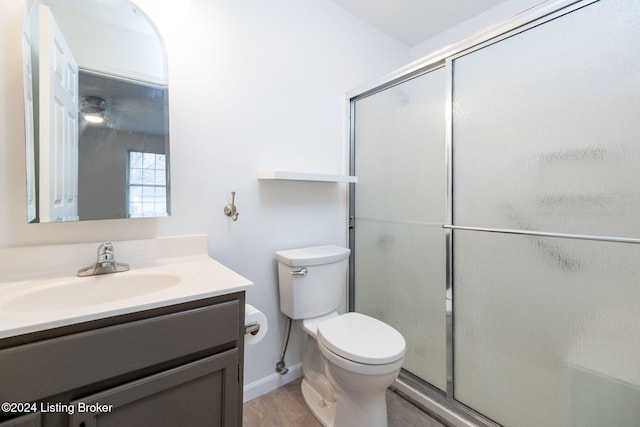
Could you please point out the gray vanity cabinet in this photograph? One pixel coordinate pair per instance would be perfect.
(173, 366)
(30, 420)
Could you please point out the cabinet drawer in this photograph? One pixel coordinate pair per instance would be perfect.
(45, 368)
(199, 394)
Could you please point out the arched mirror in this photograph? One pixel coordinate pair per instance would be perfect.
(96, 109)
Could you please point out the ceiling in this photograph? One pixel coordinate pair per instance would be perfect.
(414, 21)
(121, 14)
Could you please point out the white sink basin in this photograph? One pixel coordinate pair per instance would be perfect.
(33, 300)
(89, 291)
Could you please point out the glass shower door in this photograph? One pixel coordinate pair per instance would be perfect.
(546, 139)
(400, 206)
(542, 247)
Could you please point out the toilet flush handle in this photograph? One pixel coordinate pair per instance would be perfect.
(301, 272)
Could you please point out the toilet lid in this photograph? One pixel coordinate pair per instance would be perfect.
(361, 339)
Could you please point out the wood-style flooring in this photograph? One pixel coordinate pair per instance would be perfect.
(285, 407)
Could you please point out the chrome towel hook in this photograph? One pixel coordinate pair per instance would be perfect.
(230, 209)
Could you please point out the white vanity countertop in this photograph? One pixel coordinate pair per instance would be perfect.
(199, 277)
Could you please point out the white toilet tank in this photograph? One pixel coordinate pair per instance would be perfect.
(312, 280)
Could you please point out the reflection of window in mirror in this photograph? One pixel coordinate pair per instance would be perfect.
(146, 185)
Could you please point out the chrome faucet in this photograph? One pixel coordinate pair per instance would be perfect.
(105, 264)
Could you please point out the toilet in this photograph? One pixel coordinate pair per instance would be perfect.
(350, 359)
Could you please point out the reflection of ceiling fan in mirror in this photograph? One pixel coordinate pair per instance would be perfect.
(134, 107)
(93, 109)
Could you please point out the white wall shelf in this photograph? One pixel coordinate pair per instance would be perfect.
(303, 176)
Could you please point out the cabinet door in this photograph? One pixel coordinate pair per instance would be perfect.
(201, 393)
(31, 420)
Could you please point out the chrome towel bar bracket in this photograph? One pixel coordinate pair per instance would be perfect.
(230, 209)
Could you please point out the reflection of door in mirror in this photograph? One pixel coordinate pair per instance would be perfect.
(58, 115)
(27, 76)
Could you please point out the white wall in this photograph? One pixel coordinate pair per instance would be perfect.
(253, 85)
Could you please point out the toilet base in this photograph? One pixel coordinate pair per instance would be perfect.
(355, 410)
(325, 412)
(361, 409)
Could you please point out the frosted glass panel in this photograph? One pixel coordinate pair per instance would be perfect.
(400, 279)
(547, 331)
(400, 206)
(546, 126)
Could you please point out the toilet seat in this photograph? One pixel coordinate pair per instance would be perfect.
(361, 339)
(360, 368)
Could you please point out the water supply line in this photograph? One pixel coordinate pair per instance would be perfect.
(281, 365)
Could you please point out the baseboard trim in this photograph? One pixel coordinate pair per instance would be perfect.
(271, 382)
